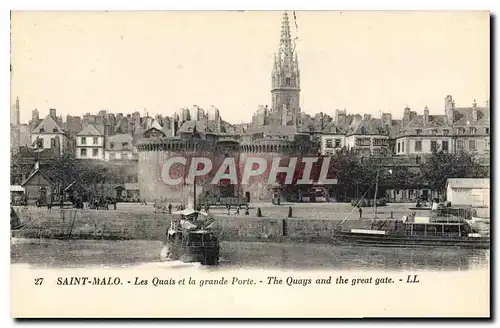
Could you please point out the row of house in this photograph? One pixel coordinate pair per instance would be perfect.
(459, 129)
(89, 143)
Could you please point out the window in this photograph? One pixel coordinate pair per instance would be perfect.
(460, 145)
(399, 147)
(124, 144)
(434, 132)
(403, 146)
(338, 143)
(95, 152)
(329, 143)
(487, 130)
(418, 145)
(472, 130)
(55, 130)
(418, 131)
(418, 159)
(112, 145)
(42, 130)
(95, 140)
(83, 152)
(445, 132)
(444, 145)
(434, 145)
(472, 144)
(39, 143)
(287, 81)
(52, 142)
(84, 141)
(487, 145)
(112, 156)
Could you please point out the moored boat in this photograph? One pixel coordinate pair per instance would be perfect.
(417, 231)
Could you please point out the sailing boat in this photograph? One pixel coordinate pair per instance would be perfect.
(412, 231)
(189, 237)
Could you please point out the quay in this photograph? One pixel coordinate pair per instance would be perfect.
(310, 222)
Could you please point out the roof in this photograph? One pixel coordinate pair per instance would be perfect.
(33, 174)
(468, 183)
(89, 130)
(120, 138)
(48, 125)
(16, 188)
(372, 126)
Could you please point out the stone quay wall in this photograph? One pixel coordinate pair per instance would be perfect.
(122, 225)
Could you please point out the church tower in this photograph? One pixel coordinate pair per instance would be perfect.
(285, 89)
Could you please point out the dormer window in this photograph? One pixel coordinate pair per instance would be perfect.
(55, 130)
(434, 132)
(445, 132)
(418, 131)
(472, 130)
(363, 130)
(42, 130)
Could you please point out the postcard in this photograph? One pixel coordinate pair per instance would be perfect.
(250, 164)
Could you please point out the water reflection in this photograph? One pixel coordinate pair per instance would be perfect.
(82, 253)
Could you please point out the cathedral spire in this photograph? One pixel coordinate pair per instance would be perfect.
(285, 88)
(286, 47)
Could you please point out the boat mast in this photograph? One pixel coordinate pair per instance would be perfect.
(375, 197)
(194, 179)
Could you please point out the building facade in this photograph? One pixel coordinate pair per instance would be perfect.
(90, 143)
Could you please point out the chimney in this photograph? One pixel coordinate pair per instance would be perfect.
(474, 111)
(426, 116)
(53, 113)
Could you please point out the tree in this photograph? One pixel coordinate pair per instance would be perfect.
(441, 166)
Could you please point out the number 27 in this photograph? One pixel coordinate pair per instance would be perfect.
(38, 281)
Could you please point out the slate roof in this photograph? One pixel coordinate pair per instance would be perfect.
(464, 116)
(89, 130)
(48, 125)
(372, 126)
(35, 172)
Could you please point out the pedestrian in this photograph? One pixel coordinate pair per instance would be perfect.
(114, 204)
(228, 209)
(169, 208)
(360, 212)
(237, 210)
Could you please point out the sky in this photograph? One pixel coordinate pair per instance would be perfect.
(159, 62)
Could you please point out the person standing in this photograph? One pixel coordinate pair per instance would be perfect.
(360, 212)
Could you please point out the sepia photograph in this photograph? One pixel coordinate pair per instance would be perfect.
(274, 155)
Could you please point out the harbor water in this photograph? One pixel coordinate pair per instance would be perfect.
(239, 255)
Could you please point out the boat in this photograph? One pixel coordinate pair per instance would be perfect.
(417, 231)
(190, 238)
(413, 231)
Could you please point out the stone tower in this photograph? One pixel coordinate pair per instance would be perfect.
(285, 88)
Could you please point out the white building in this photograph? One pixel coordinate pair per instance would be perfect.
(90, 143)
(49, 135)
(468, 192)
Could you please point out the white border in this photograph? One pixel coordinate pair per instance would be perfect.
(180, 5)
